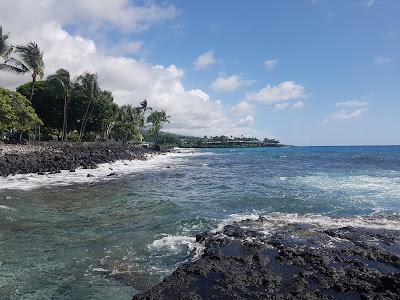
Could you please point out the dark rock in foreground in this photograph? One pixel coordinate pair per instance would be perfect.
(252, 260)
(53, 157)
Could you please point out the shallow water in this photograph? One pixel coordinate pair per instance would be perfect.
(70, 236)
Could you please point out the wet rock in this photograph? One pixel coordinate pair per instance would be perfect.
(294, 261)
(49, 157)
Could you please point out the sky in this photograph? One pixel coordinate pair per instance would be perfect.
(307, 72)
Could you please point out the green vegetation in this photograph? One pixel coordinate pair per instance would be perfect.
(157, 119)
(174, 140)
(5, 47)
(64, 108)
(16, 115)
(77, 109)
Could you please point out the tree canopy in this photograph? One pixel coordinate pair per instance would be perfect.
(16, 113)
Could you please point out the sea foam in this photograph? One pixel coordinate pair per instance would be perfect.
(116, 169)
(277, 219)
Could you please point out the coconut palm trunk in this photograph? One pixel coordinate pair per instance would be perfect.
(33, 87)
(64, 136)
(84, 121)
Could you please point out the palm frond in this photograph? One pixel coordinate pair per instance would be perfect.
(11, 69)
(32, 57)
(5, 47)
(17, 64)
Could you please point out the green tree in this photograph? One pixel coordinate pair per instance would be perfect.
(143, 108)
(31, 60)
(157, 119)
(126, 126)
(63, 79)
(16, 113)
(89, 86)
(47, 101)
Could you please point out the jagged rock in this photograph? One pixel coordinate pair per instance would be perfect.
(294, 261)
(48, 157)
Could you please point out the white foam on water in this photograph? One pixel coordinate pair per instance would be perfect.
(276, 220)
(119, 168)
(380, 186)
(175, 244)
(236, 218)
(4, 207)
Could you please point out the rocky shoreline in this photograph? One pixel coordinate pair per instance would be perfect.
(49, 157)
(264, 259)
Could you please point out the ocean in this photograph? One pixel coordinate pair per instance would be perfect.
(69, 236)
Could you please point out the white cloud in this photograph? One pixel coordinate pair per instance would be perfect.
(192, 111)
(351, 104)
(287, 105)
(243, 108)
(270, 63)
(369, 3)
(390, 35)
(248, 120)
(89, 14)
(298, 105)
(314, 2)
(281, 106)
(380, 60)
(284, 91)
(204, 60)
(230, 83)
(348, 110)
(348, 114)
(126, 47)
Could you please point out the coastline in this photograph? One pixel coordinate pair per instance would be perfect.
(52, 158)
(291, 257)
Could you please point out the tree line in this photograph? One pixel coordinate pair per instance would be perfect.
(65, 108)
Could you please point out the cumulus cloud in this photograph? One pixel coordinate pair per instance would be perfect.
(91, 14)
(298, 105)
(284, 91)
(125, 47)
(287, 105)
(281, 106)
(204, 60)
(192, 110)
(380, 60)
(270, 63)
(243, 108)
(248, 120)
(230, 83)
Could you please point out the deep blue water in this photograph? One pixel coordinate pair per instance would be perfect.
(109, 239)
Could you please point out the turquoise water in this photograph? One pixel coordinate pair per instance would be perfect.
(74, 237)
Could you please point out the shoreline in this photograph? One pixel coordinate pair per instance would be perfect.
(52, 158)
(282, 257)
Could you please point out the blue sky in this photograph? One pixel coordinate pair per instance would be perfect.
(307, 72)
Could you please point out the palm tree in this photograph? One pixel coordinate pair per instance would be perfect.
(31, 61)
(63, 79)
(142, 113)
(5, 47)
(89, 83)
(157, 119)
